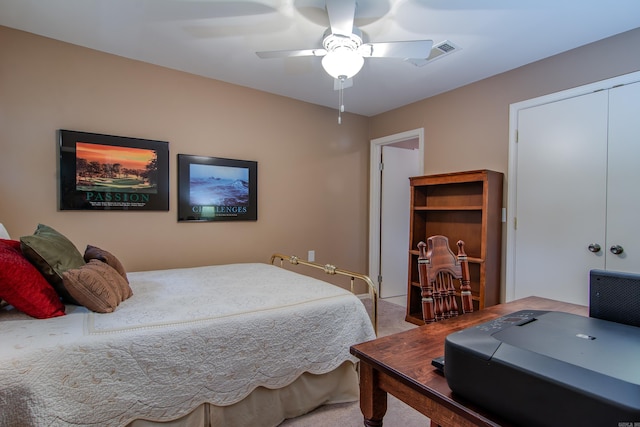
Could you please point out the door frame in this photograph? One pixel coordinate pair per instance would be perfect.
(375, 185)
(510, 259)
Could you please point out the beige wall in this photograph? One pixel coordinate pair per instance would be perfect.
(312, 173)
(468, 128)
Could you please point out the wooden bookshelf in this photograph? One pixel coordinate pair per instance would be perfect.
(462, 206)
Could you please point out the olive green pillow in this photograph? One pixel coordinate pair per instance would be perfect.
(52, 254)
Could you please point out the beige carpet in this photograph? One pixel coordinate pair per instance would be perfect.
(390, 320)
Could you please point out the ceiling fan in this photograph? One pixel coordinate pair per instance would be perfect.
(343, 50)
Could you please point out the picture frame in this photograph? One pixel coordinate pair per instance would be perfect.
(107, 172)
(214, 189)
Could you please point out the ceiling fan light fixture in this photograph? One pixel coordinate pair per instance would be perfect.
(342, 63)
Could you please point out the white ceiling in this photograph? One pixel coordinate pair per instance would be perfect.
(218, 39)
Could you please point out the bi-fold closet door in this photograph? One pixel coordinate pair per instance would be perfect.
(577, 196)
(623, 180)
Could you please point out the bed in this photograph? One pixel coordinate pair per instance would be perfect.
(225, 345)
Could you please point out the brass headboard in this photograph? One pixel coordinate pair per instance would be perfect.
(332, 269)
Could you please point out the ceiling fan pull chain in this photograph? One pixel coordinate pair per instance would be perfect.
(341, 99)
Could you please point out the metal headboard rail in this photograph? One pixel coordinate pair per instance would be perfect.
(332, 269)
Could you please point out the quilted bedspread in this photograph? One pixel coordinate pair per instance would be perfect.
(185, 337)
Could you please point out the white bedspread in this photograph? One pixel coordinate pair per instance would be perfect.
(186, 336)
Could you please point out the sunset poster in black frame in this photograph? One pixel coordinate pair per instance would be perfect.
(217, 189)
(107, 172)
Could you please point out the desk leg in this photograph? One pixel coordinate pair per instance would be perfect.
(373, 400)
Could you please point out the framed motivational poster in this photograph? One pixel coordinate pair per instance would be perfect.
(217, 189)
(106, 172)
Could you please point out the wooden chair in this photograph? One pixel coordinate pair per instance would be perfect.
(438, 269)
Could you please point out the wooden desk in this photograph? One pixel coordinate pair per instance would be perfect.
(400, 364)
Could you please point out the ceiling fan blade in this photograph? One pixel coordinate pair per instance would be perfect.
(406, 49)
(290, 53)
(341, 15)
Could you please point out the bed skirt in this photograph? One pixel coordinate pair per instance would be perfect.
(266, 407)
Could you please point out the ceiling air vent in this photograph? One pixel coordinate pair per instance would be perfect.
(437, 51)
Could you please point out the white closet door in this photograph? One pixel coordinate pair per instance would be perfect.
(561, 197)
(623, 204)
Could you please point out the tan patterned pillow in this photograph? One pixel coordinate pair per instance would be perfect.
(96, 286)
(93, 252)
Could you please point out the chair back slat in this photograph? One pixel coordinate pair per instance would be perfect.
(439, 269)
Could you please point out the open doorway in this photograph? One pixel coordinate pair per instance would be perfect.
(394, 159)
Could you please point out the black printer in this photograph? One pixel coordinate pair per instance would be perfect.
(549, 368)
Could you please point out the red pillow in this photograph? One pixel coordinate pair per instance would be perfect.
(22, 285)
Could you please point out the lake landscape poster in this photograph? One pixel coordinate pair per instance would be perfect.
(215, 189)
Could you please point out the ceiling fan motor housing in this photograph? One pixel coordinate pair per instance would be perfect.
(332, 41)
